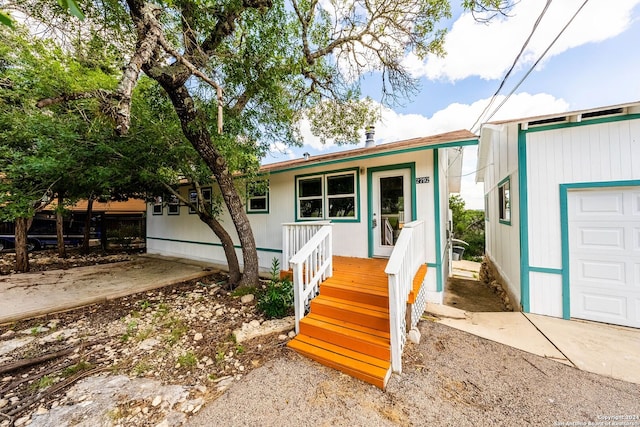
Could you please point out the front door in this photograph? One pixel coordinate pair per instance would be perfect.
(391, 192)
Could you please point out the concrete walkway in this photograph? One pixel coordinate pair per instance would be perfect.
(28, 295)
(608, 350)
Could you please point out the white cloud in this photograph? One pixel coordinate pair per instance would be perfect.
(487, 51)
(396, 127)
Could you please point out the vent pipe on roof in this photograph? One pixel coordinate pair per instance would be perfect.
(370, 132)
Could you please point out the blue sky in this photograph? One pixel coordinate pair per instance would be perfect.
(596, 62)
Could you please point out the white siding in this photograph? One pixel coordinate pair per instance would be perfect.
(590, 153)
(350, 239)
(502, 240)
(547, 299)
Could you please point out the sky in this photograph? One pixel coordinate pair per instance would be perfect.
(594, 63)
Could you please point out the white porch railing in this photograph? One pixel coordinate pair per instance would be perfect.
(295, 235)
(408, 255)
(312, 264)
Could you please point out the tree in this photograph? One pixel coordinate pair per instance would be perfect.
(468, 225)
(264, 64)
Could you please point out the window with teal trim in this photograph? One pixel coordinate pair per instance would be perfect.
(327, 196)
(258, 197)
(504, 201)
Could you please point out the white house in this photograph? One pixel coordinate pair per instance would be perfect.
(562, 200)
(367, 194)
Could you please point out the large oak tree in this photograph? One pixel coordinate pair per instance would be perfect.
(262, 65)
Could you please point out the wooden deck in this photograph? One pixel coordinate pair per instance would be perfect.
(347, 327)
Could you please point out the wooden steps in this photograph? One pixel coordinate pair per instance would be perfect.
(348, 325)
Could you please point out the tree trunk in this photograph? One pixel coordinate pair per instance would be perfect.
(87, 226)
(62, 251)
(194, 127)
(22, 254)
(227, 245)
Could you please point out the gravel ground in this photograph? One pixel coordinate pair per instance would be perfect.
(450, 379)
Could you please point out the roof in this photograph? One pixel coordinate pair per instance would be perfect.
(131, 206)
(449, 138)
(491, 130)
(632, 105)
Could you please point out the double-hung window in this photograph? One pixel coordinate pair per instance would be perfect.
(328, 196)
(504, 201)
(258, 197)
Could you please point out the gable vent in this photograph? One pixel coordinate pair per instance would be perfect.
(547, 121)
(601, 113)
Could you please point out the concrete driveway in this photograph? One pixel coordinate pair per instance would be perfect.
(27, 295)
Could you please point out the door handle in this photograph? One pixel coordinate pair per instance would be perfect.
(374, 222)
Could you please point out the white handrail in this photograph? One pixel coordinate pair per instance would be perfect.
(295, 235)
(408, 255)
(312, 264)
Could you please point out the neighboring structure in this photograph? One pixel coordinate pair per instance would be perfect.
(368, 194)
(562, 200)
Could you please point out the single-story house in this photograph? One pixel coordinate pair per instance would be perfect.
(562, 206)
(366, 193)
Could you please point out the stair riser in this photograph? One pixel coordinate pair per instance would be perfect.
(378, 382)
(349, 295)
(370, 321)
(352, 343)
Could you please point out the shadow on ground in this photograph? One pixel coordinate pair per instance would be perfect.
(471, 295)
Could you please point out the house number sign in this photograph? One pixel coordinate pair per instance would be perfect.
(422, 180)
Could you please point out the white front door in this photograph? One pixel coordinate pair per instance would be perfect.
(604, 253)
(391, 192)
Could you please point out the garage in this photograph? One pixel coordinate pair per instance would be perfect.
(604, 253)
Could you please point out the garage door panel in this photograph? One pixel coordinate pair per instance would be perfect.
(597, 204)
(604, 306)
(602, 272)
(604, 255)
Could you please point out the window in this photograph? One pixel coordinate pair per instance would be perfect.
(258, 197)
(157, 205)
(193, 199)
(504, 201)
(327, 196)
(173, 205)
(486, 207)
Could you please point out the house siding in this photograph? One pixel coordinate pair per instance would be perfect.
(185, 235)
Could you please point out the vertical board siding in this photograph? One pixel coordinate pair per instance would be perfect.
(590, 153)
(547, 298)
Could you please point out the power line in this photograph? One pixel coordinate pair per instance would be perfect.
(538, 61)
(515, 61)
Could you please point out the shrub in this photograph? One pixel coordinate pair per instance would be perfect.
(276, 300)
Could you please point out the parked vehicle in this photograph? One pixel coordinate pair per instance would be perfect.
(42, 233)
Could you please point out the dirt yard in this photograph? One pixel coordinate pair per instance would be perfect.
(169, 357)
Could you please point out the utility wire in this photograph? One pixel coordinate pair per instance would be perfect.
(515, 61)
(538, 61)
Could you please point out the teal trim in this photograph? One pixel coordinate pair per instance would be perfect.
(586, 122)
(524, 220)
(433, 265)
(436, 208)
(354, 170)
(414, 209)
(506, 180)
(564, 231)
(247, 201)
(468, 142)
(278, 251)
(545, 270)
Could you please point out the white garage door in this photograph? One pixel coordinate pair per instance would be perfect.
(604, 252)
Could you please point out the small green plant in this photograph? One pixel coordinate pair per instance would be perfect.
(188, 359)
(43, 382)
(145, 304)
(78, 367)
(276, 300)
(239, 349)
(131, 328)
(220, 356)
(144, 334)
(141, 367)
(177, 329)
